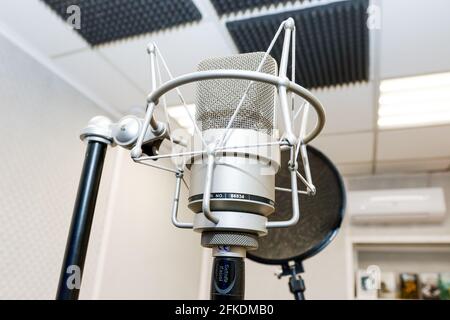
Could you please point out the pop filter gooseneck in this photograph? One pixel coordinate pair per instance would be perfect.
(320, 220)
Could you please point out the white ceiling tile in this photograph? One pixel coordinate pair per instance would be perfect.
(346, 148)
(413, 166)
(348, 108)
(352, 169)
(415, 143)
(36, 23)
(414, 37)
(89, 68)
(182, 48)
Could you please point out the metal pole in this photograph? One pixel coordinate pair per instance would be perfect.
(299, 296)
(83, 214)
(296, 283)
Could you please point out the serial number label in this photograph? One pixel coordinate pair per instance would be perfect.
(239, 309)
(237, 196)
(259, 309)
(233, 196)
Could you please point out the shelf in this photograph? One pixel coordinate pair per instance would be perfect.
(398, 254)
(399, 239)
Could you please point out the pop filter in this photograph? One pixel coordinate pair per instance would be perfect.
(321, 216)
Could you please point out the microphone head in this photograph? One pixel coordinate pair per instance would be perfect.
(216, 100)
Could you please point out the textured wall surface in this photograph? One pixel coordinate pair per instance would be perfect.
(40, 163)
(134, 251)
(144, 256)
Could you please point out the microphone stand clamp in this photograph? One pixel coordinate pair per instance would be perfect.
(296, 283)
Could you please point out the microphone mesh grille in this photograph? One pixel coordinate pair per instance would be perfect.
(216, 100)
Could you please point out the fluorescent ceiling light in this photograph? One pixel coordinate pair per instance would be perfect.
(181, 116)
(414, 101)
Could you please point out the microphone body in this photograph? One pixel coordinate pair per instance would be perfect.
(243, 178)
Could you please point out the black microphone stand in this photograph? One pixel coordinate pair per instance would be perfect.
(80, 228)
(99, 134)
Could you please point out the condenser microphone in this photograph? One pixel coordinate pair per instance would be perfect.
(232, 163)
(242, 179)
(238, 184)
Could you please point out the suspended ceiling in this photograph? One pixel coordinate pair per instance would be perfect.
(116, 75)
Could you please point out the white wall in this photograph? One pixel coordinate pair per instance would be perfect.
(144, 256)
(40, 163)
(134, 250)
(324, 276)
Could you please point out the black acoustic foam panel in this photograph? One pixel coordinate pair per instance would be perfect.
(104, 21)
(231, 6)
(332, 41)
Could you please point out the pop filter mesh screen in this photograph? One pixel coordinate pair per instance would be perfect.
(320, 215)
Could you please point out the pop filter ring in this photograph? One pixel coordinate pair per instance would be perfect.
(331, 235)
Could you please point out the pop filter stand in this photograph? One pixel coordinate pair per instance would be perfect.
(296, 283)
